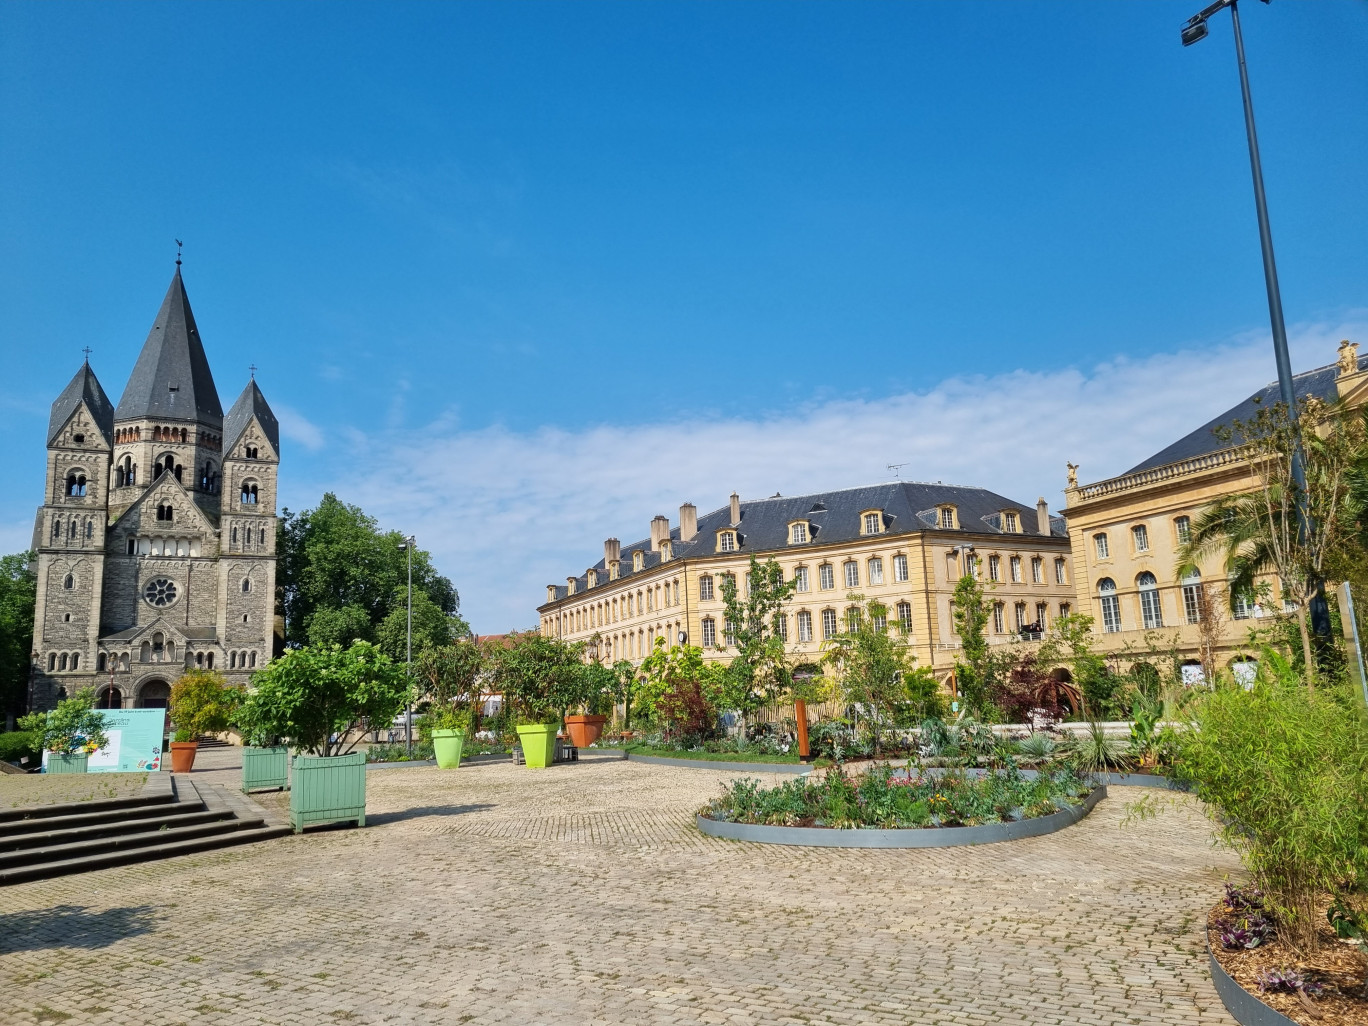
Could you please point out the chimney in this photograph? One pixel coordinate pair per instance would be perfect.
(1042, 515)
(612, 551)
(660, 530)
(735, 510)
(688, 522)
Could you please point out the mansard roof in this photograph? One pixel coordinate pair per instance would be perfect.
(250, 404)
(171, 379)
(1319, 383)
(83, 388)
(908, 507)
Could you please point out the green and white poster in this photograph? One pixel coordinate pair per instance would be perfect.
(135, 741)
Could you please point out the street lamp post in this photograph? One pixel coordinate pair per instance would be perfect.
(406, 546)
(1194, 30)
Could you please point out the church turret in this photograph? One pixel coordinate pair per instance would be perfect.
(247, 530)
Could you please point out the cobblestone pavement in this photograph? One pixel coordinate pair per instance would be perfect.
(583, 894)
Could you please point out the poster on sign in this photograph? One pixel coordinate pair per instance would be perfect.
(135, 741)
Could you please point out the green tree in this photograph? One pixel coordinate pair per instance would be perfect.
(74, 726)
(202, 703)
(341, 578)
(448, 676)
(759, 674)
(316, 697)
(18, 588)
(680, 691)
(1070, 642)
(976, 670)
(539, 677)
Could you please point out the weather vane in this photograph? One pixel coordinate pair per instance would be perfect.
(178, 251)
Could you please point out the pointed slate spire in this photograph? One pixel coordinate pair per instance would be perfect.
(83, 388)
(250, 404)
(171, 378)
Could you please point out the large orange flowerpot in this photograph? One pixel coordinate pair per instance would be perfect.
(183, 755)
(585, 730)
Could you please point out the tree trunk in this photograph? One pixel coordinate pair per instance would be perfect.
(1306, 646)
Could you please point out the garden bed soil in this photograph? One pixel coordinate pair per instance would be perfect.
(1340, 967)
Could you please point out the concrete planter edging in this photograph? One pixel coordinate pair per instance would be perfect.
(931, 837)
(1143, 780)
(732, 767)
(1247, 1009)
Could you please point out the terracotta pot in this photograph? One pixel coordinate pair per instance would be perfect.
(183, 755)
(585, 730)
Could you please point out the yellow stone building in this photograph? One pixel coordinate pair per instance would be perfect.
(905, 544)
(1125, 532)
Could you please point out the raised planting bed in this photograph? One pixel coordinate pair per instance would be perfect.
(1269, 984)
(888, 809)
(711, 761)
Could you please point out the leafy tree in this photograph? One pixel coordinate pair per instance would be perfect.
(1070, 642)
(681, 691)
(202, 703)
(74, 726)
(316, 697)
(976, 671)
(449, 677)
(540, 677)
(341, 578)
(759, 673)
(625, 682)
(18, 588)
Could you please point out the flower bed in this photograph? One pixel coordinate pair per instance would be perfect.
(1324, 987)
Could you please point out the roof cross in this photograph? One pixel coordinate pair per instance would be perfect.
(253, 369)
(87, 350)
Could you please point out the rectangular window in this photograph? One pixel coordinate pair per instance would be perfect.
(1111, 614)
(1042, 616)
(705, 587)
(876, 571)
(729, 632)
(852, 575)
(1038, 570)
(828, 623)
(798, 533)
(1182, 527)
(871, 523)
(880, 621)
(998, 625)
(1100, 541)
(947, 518)
(1020, 615)
(781, 626)
(728, 542)
(805, 626)
(905, 617)
(899, 568)
(1010, 522)
(1192, 602)
(1150, 612)
(1015, 564)
(852, 619)
(800, 578)
(826, 577)
(709, 632)
(1141, 536)
(970, 565)
(1059, 572)
(1064, 609)
(994, 568)
(1241, 608)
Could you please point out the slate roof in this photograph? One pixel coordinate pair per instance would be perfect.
(83, 388)
(1319, 382)
(171, 379)
(908, 507)
(250, 404)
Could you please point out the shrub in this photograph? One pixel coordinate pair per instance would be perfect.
(74, 726)
(202, 703)
(17, 745)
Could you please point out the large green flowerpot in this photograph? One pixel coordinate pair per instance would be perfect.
(264, 768)
(329, 789)
(538, 744)
(67, 763)
(447, 745)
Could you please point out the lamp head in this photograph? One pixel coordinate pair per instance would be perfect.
(1194, 30)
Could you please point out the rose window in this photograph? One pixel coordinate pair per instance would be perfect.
(160, 592)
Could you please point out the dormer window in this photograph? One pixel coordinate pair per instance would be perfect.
(570, 586)
(638, 561)
(590, 578)
(1009, 522)
(872, 523)
(726, 541)
(798, 532)
(947, 518)
(666, 550)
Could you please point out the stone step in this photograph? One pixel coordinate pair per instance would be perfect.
(57, 853)
(103, 860)
(158, 789)
(44, 824)
(174, 817)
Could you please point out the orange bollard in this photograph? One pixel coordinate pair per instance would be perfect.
(800, 714)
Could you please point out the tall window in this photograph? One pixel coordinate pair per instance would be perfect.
(1182, 527)
(826, 577)
(1042, 616)
(709, 632)
(876, 571)
(705, 586)
(998, 625)
(1064, 608)
(1060, 575)
(947, 518)
(1009, 521)
(1015, 564)
(852, 619)
(828, 623)
(1150, 612)
(1100, 543)
(852, 574)
(970, 564)
(1037, 570)
(805, 626)
(879, 619)
(1111, 605)
(729, 632)
(728, 543)
(905, 617)
(798, 533)
(994, 568)
(872, 523)
(781, 626)
(249, 493)
(1240, 606)
(800, 579)
(76, 485)
(899, 568)
(1141, 536)
(1020, 615)
(1192, 597)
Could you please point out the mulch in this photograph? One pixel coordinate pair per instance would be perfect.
(1339, 966)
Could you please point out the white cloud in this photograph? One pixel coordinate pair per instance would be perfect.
(506, 513)
(297, 428)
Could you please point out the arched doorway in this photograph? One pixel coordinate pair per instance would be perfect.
(154, 694)
(110, 697)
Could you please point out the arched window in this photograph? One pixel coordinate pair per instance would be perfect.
(100, 662)
(76, 484)
(52, 662)
(56, 528)
(1192, 597)
(251, 452)
(249, 493)
(852, 574)
(209, 661)
(145, 653)
(90, 529)
(1111, 605)
(251, 660)
(158, 647)
(75, 660)
(62, 661)
(1150, 613)
(68, 582)
(235, 536)
(232, 660)
(261, 536)
(246, 585)
(875, 571)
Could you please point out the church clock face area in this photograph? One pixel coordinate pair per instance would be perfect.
(160, 592)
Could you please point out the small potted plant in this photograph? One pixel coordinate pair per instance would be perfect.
(69, 733)
(598, 684)
(319, 700)
(201, 703)
(265, 761)
(450, 676)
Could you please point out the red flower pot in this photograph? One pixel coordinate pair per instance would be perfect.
(585, 730)
(183, 755)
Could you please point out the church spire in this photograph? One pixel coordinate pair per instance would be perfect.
(171, 379)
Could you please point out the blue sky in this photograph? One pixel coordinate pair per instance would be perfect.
(519, 276)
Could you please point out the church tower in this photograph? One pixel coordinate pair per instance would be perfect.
(145, 568)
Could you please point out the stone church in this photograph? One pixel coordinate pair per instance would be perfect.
(156, 540)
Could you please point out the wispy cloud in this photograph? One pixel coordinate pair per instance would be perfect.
(508, 512)
(298, 428)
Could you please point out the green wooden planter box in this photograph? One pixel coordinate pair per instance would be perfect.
(328, 790)
(538, 745)
(67, 763)
(447, 746)
(264, 768)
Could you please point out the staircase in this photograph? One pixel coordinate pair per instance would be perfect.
(171, 816)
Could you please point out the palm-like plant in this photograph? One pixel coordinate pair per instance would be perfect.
(1095, 752)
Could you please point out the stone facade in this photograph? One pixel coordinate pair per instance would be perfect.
(156, 541)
